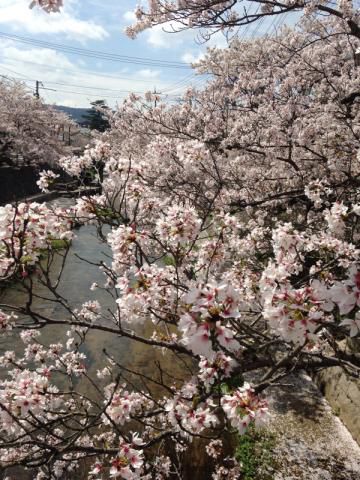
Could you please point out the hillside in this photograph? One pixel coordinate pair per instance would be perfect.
(75, 113)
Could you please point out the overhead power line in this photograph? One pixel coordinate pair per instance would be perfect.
(100, 89)
(96, 54)
(63, 84)
(91, 73)
(16, 73)
(180, 84)
(121, 93)
(75, 71)
(118, 97)
(87, 94)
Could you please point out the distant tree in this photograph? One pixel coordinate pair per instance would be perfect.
(29, 129)
(96, 118)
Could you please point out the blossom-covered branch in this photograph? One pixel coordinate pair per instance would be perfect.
(231, 223)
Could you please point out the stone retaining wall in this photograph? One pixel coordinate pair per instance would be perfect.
(16, 183)
(19, 184)
(343, 393)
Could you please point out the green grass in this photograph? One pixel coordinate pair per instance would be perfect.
(254, 451)
(59, 244)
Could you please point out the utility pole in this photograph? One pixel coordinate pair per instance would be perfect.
(155, 93)
(37, 87)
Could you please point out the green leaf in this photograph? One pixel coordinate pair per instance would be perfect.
(169, 261)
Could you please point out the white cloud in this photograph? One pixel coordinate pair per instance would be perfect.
(72, 83)
(147, 73)
(160, 36)
(129, 16)
(41, 55)
(157, 37)
(217, 40)
(190, 57)
(16, 15)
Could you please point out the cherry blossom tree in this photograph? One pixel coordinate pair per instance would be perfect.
(30, 130)
(217, 15)
(232, 225)
(47, 5)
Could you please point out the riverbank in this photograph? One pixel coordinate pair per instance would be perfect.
(18, 183)
(46, 197)
(78, 192)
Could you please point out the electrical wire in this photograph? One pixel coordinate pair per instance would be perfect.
(96, 54)
(122, 93)
(183, 81)
(126, 92)
(77, 71)
(12, 71)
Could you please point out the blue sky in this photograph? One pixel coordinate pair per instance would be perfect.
(97, 25)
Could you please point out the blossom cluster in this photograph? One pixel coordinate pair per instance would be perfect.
(122, 404)
(7, 322)
(47, 177)
(243, 407)
(204, 324)
(128, 464)
(26, 392)
(187, 418)
(47, 5)
(28, 229)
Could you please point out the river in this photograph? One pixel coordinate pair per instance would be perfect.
(311, 441)
(77, 277)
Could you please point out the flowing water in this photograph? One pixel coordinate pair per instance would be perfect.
(79, 273)
(77, 277)
(312, 443)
